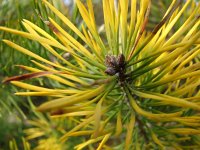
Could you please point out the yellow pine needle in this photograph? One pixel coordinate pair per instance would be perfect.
(68, 76)
(176, 53)
(41, 90)
(54, 77)
(111, 23)
(30, 27)
(70, 40)
(185, 89)
(82, 106)
(140, 33)
(156, 140)
(84, 123)
(81, 63)
(171, 24)
(123, 20)
(156, 31)
(172, 77)
(26, 144)
(53, 94)
(86, 16)
(133, 15)
(34, 134)
(67, 101)
(89, 21)
(106, 137)
(187, 25)
(32, 130)
(190, 74)
(184, 73)
(93, 45)
(192, 31)
(129, 132)
(114, 21)
(38, 29)
(31, 87)
(65, 20)
(180, 61)
(97, 117)
(112, 15)
(13, 145)
(35, 38)
(91, 13)
(98, 113)
(48, 144)
(131, 30)
(161, 50)
(74, 75)
(169, 99)
(81, 133)
(156, 117)
(188, 123)
(91, 141)
(29, 53)
(184, 131)
(189, 58)
(73, 114)
(189, 119)
(119, 125)
(107, 21)
(39, 124)
(170, 7)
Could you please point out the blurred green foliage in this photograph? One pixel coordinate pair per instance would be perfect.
(14, 109)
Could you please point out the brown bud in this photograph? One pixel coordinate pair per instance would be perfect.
(110, 61)
(110, 71)
(121, 60)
